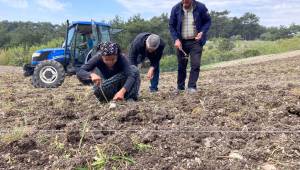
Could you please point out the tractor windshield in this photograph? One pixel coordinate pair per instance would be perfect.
(104, 32)
(70, 35)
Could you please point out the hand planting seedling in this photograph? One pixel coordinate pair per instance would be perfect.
(112, 105)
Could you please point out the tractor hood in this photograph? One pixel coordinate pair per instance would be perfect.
(48, 54)
(51, 52)
(50, 49)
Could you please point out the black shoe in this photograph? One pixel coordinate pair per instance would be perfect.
(153, 90)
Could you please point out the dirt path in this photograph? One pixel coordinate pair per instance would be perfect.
(258, 59)
(242, 117)
(10, 69)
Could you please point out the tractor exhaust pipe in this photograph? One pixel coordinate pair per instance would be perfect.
(66, 41)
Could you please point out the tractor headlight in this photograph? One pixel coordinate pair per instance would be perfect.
(36, 55)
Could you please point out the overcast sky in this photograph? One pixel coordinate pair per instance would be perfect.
(270, 12)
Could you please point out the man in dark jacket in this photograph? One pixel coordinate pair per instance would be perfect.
(150, 46)
(121, 81)
(189, 24)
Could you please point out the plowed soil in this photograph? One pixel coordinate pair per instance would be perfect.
(242, 117)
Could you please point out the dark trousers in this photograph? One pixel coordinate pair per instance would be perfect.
(194, 50)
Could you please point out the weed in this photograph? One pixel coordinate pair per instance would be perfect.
(57, 144)
(142, 146)
(102, 159)
(82, 168)
(122, 158)
(83, 133)
(138, 145)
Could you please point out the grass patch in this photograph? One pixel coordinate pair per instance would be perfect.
(102, 159)
(213, 53)
(216, 50)
(16, 134)
(142, 147)
(168, 63)
(57, 144)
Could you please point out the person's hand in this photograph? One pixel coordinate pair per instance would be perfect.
(150, 73)
(178, 44)
(199, 36)
(83, 45)
(96, 79)
(120, 95)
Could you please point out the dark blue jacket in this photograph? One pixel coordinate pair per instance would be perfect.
(138, 52)
(201, 18)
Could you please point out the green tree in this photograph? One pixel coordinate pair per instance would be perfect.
(250, 28)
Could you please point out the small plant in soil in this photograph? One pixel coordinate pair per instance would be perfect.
(17, 134)
(102, 159)
(142, 147)
(57, 144)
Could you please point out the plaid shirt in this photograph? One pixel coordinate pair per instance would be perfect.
(188, 24)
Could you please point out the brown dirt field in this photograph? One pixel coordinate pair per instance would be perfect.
(243, 117)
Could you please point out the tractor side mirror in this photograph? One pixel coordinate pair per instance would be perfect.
(114, 31)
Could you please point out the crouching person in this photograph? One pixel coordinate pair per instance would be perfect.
(118, 80)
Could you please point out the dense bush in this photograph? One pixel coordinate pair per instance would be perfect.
(211, 52)
(251, 53)
(243, 49)
(225, 44)
(168, 63)
(20, 55)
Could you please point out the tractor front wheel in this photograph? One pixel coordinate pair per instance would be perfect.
(48, 74)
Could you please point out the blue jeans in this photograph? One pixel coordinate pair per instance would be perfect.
(155, 80)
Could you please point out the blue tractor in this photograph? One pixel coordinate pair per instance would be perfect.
(49, 67)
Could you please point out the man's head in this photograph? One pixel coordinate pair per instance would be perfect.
(187, 3)
(109, 53)
(152, 42)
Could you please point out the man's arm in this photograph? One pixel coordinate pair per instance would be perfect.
(130, 75)
(120, 94)
(206, 19)
(172, 25)
(85, 70)
(133, 54)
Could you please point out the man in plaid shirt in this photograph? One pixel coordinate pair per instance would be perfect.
(189, 24)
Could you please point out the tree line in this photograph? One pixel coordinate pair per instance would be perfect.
(246, 27)
(28, 34)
